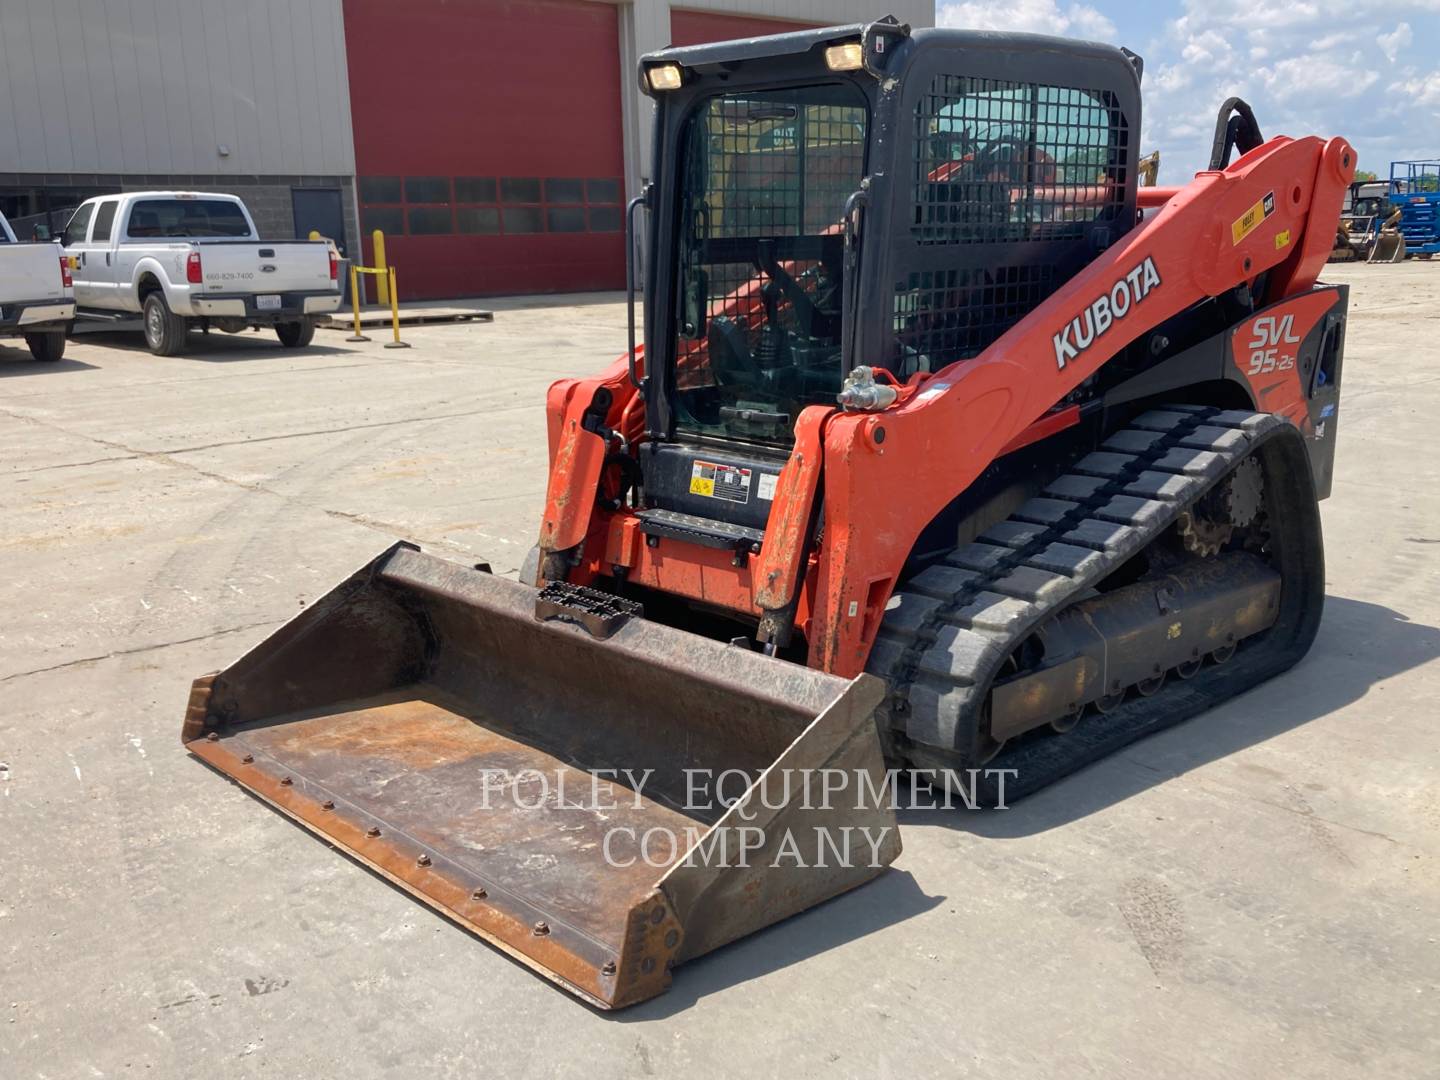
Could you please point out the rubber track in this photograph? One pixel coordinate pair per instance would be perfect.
(956, 622)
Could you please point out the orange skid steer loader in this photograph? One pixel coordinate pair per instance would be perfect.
(941, 452)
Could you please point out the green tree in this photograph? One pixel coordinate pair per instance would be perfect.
(1364, 174)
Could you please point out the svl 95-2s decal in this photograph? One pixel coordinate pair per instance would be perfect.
(1268, 334)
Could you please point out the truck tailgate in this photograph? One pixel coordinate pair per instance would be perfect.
(275, 267)
(31, 272)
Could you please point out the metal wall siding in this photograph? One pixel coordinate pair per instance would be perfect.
(156, 86)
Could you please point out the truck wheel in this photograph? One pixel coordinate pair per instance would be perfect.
(164, 330)
(48, 347)
(295, 335)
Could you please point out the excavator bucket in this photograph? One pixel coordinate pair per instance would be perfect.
(599, 796)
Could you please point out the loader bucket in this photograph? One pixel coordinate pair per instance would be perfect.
(599, 808)
(1389, 247)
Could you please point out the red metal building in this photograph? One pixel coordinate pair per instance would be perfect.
(489, 136)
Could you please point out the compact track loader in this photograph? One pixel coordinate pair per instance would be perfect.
(948, 446)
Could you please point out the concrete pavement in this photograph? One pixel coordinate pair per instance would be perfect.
(1253, 893)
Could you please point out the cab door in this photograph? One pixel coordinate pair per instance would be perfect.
(76, 242)
(102, 274)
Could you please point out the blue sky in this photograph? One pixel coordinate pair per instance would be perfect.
(1364, 69)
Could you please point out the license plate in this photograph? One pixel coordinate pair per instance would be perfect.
(267, 303)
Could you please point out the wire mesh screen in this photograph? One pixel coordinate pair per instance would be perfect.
(777, 165)
(1003, 161)
(946, 315)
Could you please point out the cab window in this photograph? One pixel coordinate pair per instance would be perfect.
(79, 225)
(180, 217)
(104, 222)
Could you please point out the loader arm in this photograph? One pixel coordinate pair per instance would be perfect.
(1214, 234)
(1206, 238)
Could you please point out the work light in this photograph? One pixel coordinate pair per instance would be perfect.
(847, 56)
(664, 77)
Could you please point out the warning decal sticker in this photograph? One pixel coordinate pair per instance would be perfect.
(714, 481)
(1245, 224)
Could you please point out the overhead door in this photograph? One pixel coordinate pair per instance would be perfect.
(488, 142)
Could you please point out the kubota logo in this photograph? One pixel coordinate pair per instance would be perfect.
(1104, 312)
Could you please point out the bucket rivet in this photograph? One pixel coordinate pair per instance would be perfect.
(608, 968)
(214, 736)
(327, 805)
(372, 832)
(248, 759)
(541, 929)
(478, 894)
(423, 860)
(286, 782)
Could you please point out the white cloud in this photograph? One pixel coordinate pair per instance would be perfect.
(1424, 91)
(1299, 77)
(1296, 63)
(1074, 20)
(1301, 74)
(1397, 39)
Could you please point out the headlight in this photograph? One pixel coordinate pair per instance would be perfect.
(846, 57)
(665, 77)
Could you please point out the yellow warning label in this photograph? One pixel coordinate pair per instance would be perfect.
(728, 482)
(1282, 239)
(1246, 223)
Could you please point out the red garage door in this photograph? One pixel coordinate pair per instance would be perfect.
(488, 142)
(699, 27)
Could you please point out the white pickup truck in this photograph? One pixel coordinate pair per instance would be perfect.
(188, 260)
(36, 301)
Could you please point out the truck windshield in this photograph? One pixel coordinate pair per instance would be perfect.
(765, 178)
(186, 218)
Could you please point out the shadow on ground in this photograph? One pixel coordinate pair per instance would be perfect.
(890, 899)
(1359, 644)
(19, 362)
(531, 301)
(213, 348)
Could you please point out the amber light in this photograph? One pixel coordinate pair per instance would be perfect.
(845, 57)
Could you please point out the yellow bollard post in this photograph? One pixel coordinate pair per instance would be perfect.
(382, 290)
(355, 299)
(394, 310)
(315, 234)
